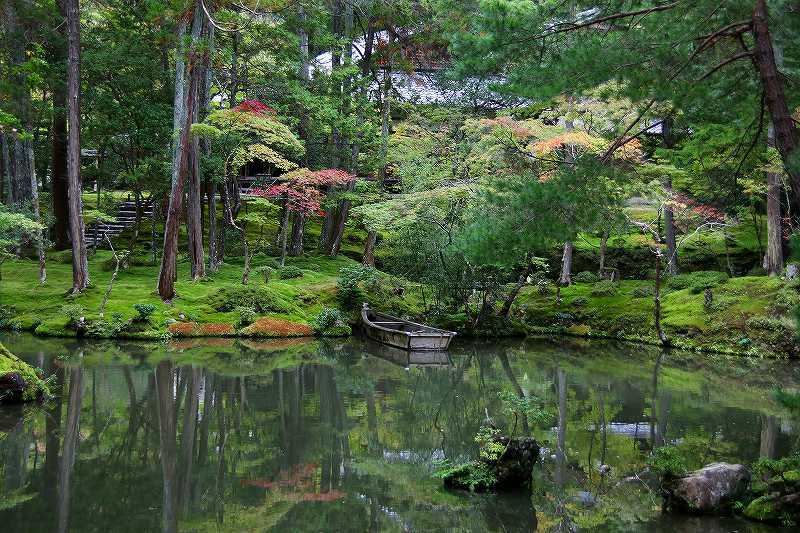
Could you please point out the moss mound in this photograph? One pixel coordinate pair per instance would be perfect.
(19, 381)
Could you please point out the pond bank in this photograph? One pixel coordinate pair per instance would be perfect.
(747, 316)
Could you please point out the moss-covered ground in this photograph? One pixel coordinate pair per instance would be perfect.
(751, 314)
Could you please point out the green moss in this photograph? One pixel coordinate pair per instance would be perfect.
(10, 363)
(762, 509)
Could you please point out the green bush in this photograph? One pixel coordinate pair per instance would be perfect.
(247, 315)
(349, 291)
(585, 277)
(73, 312)
(697, 282)
(102, 328)
(261, 299)
(544, 287)
(630, 323)
(786, 300)
(579, 301)
(668, 461)
(144, 310)
(290, 272)
(7, 313)
(604, 288)
(765, 323)
(644, 291)
(331, 322)
(265, 272)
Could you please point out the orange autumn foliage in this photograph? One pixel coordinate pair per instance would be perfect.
(193, 329)
(277, 327)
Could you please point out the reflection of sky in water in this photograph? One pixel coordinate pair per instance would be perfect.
(291, 435)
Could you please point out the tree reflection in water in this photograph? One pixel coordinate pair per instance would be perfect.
(297, 435)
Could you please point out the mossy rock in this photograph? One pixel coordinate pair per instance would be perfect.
(762, 509)
(19, 381)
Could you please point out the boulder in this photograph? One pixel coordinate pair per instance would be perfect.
(707, 490)
(19, 381)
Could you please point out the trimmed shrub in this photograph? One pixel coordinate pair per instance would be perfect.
(349, 291)
(585, 277)
(290, 272)
(331, 322)
(645, 291)
(73, 312)
(604, 288)
(697, 282)
(247, 315)
(144, 310)
(544, 287)
(580, 301)
(260, 299)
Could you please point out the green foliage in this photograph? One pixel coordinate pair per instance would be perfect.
(331, 322)
(644, 291)
(261, 299)
(475, 475)
(668, 461)
(350, 281)
(604, 288)
(73, 312)
(144, 310)
(697, 282)
(247, 315)
(489, 449)
(585, 277)
(290, 272)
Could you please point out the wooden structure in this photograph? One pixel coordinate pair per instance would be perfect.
(404, 334)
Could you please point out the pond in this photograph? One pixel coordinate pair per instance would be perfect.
(344, 435)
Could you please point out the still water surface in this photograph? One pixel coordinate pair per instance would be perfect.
(298, 435)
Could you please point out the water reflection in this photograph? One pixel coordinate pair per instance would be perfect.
(293, 435)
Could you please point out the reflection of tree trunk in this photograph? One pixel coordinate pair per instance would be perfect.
(222, 437)
(601, 400)
(187, 437)
(654, 437)
(517, 388)
(71, 434)
(769, 436)
(561, 456)
(205, 423)
(372, 421)
(52, 426)
(166, 432)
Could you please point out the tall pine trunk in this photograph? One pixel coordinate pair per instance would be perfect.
(669, 214)
(773, 259)
(167, 275)
(298, 227)
(80, 266)
(566, 265)
(59, 177)
(368, 258)
(786, 136)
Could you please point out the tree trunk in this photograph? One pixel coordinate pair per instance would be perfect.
(786, 137)
(6, 159)
(59, 180)
(71, 440)
(657, 300)
(337, 231)
(669, 214)
(194, 211)
(506, 310)
(165, 398)
(298, 227)
(213, 254)
(773, 259)
(566, 265)
(80, 266)
(603, 249)
(368, 258)
(37, 216)
(284, 232)
(166, 279)
(246, 246)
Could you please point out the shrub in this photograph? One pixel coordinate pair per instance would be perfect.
(544, 287)
(604, 288)
(585, 277)
(73, 312)
(331, 322)
(644, 291)
(786, 300)
(290, 272)
(765, 323)
(102, 328)
(7, 313)
(697, 282)
(265, 272)
(580, 301)
(349, 278)
(667, 461)
(260, 299)
(247, 315)
(630, 323)
(144, 310)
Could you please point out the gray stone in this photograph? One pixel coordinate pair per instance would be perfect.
(708, 489)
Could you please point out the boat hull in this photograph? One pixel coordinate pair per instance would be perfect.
(404, 334)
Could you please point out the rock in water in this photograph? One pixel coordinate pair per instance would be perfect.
(19, 381)
(510, 472)
(708, 489)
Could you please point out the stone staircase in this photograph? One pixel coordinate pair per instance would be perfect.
(125, 218)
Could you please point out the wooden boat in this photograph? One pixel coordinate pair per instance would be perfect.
(404, 334)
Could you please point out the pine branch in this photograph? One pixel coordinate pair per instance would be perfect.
(728, 61)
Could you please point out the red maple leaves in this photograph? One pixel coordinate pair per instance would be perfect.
(255, 107)
(303, 189)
